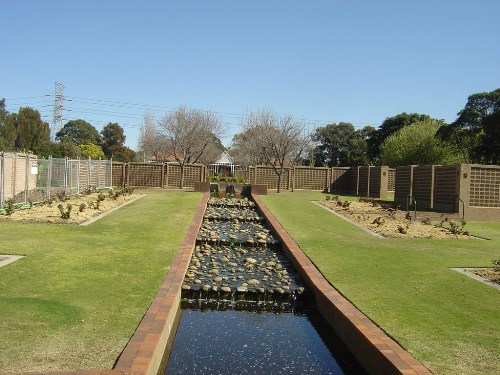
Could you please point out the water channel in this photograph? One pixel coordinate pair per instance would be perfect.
(245, 310)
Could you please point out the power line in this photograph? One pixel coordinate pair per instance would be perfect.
(231, 116)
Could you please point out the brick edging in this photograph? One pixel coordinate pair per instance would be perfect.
(377, 352)
(144, 352)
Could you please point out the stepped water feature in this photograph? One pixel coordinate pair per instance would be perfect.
(245, 309)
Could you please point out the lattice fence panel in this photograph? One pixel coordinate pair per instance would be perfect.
(422, 185)
(375, 181)
(192, 174)
(445, 185)
(363, 181)
(144, 174)
(267, 176)
(353, 180)
(118, 174)
(485, 187)
(402, 183)
(391, 179)
(310, 178)
(340, 179)
(251, 175)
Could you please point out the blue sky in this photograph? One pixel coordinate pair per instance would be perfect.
(321, 61)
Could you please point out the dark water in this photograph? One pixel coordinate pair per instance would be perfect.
(243, 342)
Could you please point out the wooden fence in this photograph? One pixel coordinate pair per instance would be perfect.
(157, 175)
(471, 190)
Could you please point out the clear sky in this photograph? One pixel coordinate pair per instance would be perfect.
(321, 61)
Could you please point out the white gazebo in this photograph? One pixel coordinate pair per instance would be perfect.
(224, 160)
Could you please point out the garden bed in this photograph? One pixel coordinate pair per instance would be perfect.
(74, 209)
(393, 223)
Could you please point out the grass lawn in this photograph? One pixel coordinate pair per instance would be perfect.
(448, 321)
(76, 298)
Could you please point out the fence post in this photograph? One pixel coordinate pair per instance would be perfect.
(78, 167)
(27, 178)
(49, 176)
(65, 179)
(2, 179)
(89, 171)
(168, 174)
(163, 175)
(111, 172)
(124, 181)
(99, 173)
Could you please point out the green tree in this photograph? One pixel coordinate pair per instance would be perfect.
(489, 148)
(474, 129)
(390, 126)
(358, 147)
(32, 131)
(91, 150)
(79, 132)
(122, 153)
(417, 144)
(341, 145)
(112, 135)
(7, 128)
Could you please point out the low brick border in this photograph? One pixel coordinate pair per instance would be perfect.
(145, 350)
(377, 352)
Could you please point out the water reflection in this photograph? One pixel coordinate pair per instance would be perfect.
(211, 341)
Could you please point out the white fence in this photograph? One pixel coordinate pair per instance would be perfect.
(26, 179)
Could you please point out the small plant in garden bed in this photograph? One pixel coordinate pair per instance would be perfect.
(9, 207)
(343, 204)
(82, 207)
(65, 213)
(62, 196)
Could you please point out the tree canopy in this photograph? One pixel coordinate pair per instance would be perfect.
(417, 144)
(112, 134)
(79, 132)
(91, 151)
(390, 126)
(23, 131)
(475, 131)
(188, 133)
(341, 145)
(278, 141)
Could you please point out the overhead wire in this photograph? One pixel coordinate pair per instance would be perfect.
(70, 100)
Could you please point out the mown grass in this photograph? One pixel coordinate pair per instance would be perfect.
(76, 298)
(448, 321)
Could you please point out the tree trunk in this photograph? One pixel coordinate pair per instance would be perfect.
(279, 181)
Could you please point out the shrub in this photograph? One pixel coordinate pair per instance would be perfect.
(65, 214)
(9, 207)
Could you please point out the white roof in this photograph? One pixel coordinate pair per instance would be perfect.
(224, 158)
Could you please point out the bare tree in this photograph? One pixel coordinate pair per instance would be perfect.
(151, 140)
(189, 133)
(278, 141)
